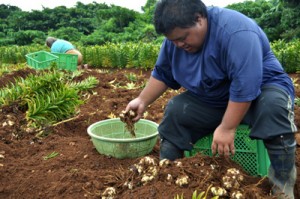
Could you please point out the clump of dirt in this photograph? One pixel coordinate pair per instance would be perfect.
(127, 118)
(209, 176)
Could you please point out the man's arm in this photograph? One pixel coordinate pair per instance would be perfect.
(152, 91)
(149, 94)
(234, 114)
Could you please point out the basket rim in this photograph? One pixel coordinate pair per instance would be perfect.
(41, 51)
(123, 140)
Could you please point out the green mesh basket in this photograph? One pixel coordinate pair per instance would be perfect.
(66, 61)
(111, 138)
(250, 154)
(40, 59)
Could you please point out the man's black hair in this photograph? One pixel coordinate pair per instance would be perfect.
(170, 14)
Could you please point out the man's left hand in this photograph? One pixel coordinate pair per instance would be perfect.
(223, 141)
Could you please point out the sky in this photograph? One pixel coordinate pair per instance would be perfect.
(28, 5)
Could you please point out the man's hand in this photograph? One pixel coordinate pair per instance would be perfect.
(149, 94)
(138, 107)
(223, 141)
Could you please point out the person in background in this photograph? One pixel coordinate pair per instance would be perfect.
(63, 46)
(224, 61)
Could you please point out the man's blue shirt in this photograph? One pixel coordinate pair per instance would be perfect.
(234, 63)
(61, 46)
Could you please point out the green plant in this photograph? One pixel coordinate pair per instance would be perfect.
(86, 84)
(179, 197)
(288, 54)
(202, 195)
(297, 101)
(47, 108)
(46, 97)
(130, 86)
(131, 77)
(29, 87)
(9, 68)
(51, 155)
(295, 80)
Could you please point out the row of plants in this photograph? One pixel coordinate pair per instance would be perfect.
(17, 54)
(121, 55)
(140, 55)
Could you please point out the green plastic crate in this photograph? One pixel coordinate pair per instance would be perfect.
(250, 154)
(40, 59)
(67, 61)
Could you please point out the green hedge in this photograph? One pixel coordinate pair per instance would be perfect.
(140, 55)
(122, 55)
(288, 54)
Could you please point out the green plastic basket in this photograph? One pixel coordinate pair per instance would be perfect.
(250, 154)
(40, 59)
(66, 61)
(111, 138)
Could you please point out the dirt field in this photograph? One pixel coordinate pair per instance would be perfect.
(79, 171)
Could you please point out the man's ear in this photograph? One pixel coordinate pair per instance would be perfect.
(198, 19)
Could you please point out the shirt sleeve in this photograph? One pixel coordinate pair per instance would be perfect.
(244, 59)
(163, 70)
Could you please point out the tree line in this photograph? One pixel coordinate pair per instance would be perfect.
(99, 23)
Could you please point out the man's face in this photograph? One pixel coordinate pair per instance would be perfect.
(190, 39)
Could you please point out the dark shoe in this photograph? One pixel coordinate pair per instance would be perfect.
(169, 151)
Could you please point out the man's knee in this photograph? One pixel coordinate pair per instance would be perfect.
(175, 106)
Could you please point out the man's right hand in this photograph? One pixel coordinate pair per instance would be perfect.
(153, 89)
(138, 107)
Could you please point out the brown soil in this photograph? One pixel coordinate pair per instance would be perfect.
(79, 171)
